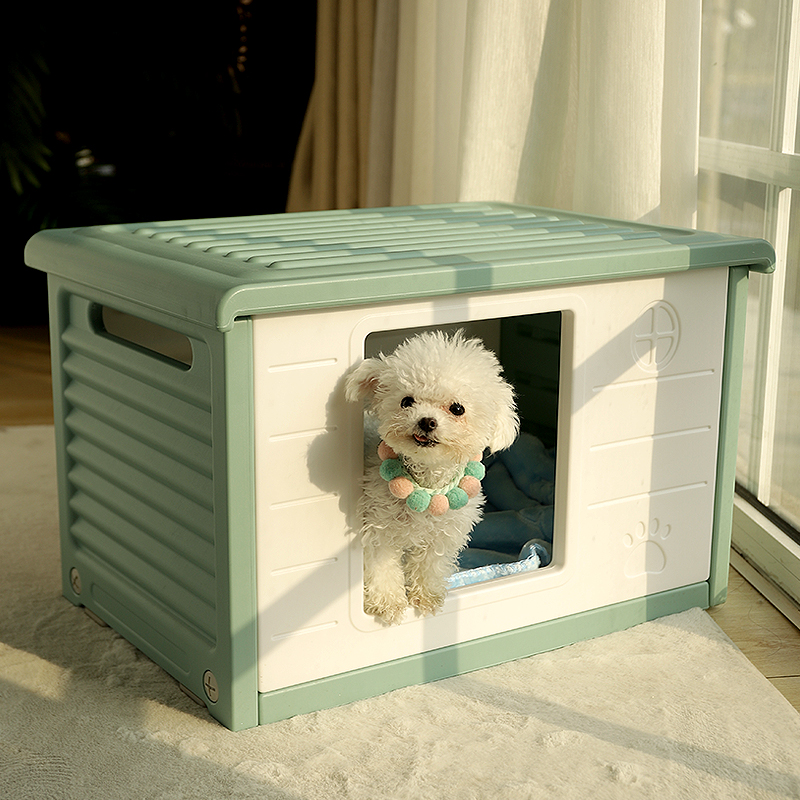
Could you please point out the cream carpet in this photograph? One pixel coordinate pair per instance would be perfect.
(669, 709)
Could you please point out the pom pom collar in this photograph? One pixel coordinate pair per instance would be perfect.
(466, 485)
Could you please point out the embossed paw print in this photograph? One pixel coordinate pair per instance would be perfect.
(646, 553)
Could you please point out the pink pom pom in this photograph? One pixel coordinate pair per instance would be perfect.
(439, 505)
(384, 452)
(401, 487)
(472, 486)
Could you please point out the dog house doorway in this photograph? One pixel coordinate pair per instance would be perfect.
(517, 531)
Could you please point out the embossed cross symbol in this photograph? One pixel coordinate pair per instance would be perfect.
(655, 336)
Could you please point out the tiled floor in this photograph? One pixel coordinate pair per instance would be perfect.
(764, 635)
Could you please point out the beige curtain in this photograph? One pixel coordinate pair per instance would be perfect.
(590, 105)
(330, 165)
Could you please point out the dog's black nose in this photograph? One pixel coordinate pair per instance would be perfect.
(427, 424)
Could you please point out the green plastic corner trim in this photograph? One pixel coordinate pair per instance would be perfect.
(477, 654)
(235, 507)
(732, 369)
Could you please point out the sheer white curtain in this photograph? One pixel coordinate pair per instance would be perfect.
(590, 105)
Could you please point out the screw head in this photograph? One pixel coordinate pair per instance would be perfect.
(75, 580)
(210, 686)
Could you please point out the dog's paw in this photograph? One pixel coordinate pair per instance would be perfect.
(425, 601)
(389, 610)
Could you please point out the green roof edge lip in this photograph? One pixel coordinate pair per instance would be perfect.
(224, 288)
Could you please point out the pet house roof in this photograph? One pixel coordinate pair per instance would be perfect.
(214, 270)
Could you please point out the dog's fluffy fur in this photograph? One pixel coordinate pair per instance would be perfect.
(438, 402)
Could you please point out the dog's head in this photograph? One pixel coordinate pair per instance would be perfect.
(438, 399)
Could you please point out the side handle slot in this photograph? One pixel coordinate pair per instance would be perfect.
(146, 335)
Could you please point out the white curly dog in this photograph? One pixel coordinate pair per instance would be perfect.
(437, 402)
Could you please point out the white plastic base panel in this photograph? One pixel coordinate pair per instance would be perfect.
(476, 654)
(637, 435)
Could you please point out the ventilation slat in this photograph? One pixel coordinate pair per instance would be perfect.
(143, 575)
(334, 218)
(477, 247)
(140, 483)
(589, 247)
(440, 240)
(163, 438)
(130, 538)
(387, 230)
(152, 397)
(188, 545)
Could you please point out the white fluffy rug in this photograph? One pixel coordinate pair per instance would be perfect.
(670, 709)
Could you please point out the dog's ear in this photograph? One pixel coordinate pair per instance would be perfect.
(506, 429)
(362, 382)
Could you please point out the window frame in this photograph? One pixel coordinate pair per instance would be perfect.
(771, 552)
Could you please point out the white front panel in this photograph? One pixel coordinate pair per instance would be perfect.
(637, 442)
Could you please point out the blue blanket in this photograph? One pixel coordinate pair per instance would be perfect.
(516, 532)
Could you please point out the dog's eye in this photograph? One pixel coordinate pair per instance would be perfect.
(407, 402)
(457, 409)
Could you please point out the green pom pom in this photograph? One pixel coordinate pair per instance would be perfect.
(457, 497)
(475, 469)
(418, 500)
(391, 468)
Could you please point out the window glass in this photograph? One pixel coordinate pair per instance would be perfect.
(797, 135)
(730, 205)
(749, 87)
(785, 488)
(740, 39)
(734, 205)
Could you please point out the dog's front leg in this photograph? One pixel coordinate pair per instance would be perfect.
(384, 581)
(426, 572)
